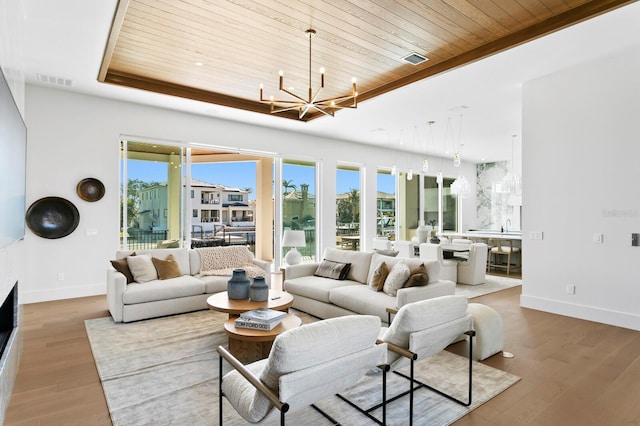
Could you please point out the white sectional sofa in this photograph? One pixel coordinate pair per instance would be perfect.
(327, 298)
(159, 297)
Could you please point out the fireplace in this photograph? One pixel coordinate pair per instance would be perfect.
(8, 317)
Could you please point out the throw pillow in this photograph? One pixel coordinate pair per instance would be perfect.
(376, 283)
(333, 270)
(398, 275)
(167, 268)
(142, 268)
(419, 277)
(122, 266)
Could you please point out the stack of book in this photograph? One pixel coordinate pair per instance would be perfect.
(260, 319)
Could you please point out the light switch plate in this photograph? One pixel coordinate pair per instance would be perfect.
(598, 238)
(535, 235)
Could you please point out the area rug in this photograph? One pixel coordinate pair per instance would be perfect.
(165, 372)
(492, 284)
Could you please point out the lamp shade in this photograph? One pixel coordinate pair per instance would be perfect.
(293, 238)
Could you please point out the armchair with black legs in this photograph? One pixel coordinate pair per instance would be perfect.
(420, 330)
(305, 365)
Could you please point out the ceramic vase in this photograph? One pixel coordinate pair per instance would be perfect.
(238, 285)
(259, 291)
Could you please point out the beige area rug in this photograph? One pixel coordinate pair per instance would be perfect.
(165, 372)
(492, 284)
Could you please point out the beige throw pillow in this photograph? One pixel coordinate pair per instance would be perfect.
(142, 268)
(167, 268)
(398, 275)
(376, 283)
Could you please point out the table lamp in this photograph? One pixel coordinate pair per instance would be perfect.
(293, 239)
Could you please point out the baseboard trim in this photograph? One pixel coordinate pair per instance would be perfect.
(589, 313)
(61, 293)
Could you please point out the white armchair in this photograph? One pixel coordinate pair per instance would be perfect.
(473, 270)
(306, 364)
(422, 329)
(404, 248)
(448, 267)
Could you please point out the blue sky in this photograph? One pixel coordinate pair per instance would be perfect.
(242, 175)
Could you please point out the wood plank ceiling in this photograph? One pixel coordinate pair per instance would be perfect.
(220, 51)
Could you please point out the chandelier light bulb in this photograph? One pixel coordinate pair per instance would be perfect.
(425, 165)
(410, 174)
(394, 170)
(456, 160)
(439, 177)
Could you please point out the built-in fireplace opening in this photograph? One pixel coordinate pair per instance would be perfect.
(8, 317)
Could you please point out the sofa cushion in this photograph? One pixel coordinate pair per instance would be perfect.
(398, 275)
(376, 282)
(316, 288)
(213, 283)
(142, 268)
(172, 288)
(333, 270)
(433, 267)
(359, 260)
(360, 299)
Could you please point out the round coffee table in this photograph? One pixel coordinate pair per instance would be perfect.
(248, 344)
(279, 301)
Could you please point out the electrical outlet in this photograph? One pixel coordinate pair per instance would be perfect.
(60, 276)
(635, 240)
(571, 289)
(598, 238)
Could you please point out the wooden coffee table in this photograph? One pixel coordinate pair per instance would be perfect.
(247, 344)
(250, 345)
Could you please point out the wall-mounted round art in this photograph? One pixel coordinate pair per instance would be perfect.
(90, 189)
(52, 217)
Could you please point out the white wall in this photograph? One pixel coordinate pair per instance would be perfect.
(581, 150)
(74, 136)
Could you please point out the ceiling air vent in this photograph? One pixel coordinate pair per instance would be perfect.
(415, 58)
(58, 81)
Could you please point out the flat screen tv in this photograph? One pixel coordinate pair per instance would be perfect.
(13, 156)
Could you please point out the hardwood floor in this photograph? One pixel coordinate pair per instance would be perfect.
(573, 371)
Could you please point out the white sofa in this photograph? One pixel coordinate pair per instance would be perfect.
(136, 301)
(328, 298)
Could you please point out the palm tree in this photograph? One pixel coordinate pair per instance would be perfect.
(354, 201)
(286, 184)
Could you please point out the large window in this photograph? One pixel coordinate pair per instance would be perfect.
(449, 205)
(348, 208)
(386, 205)
(151, 212)
(299, 203)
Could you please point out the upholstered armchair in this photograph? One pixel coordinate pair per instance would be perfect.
(473, 270)
(448, 267)
(423, 329)
(305, 365)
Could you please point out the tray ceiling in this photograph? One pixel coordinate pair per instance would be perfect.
(221, 51)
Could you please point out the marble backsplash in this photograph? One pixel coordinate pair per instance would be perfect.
(493, 209)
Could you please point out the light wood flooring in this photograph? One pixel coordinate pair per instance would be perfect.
(573, 372)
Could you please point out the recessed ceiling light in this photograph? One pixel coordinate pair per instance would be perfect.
(199, 64)
(415, 58)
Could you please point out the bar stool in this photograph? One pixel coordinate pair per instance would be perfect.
(504, 248)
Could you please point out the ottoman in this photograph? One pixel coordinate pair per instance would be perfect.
(489, 329)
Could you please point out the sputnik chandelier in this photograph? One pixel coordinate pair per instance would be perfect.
(305, 105)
